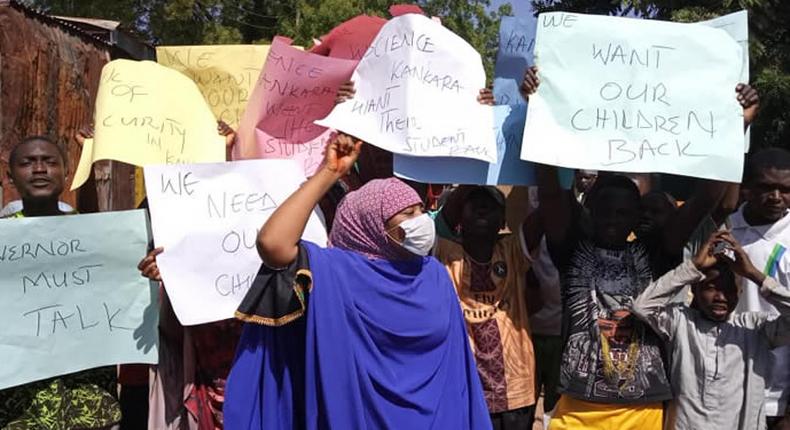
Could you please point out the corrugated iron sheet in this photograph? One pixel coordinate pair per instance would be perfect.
(48, 83)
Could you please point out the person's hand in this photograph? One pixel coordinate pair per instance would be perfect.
(148, 267)
(223, 129)
(742, 265)
(705, 259)
(530, 83)
(84, 133)
(750, 101)
(486, 97)
(345, 92)
(341, 154)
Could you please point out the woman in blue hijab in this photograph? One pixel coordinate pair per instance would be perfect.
(365, 334)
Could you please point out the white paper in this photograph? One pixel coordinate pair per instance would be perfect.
(416, 94)
(206, 217)
(72, 297)
(737, 26)
(635, 96)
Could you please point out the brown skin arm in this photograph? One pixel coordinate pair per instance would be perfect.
(278, 239)
(717, 199)
(681, 226)
(223, 129)
(555, 208)
(728, 204)
(533, 297)
(533, 233)
(749, 99)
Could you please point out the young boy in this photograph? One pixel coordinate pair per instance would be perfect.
(719, 359)
(612, 373)
(37, 168)
(488, 271)
(762, 225)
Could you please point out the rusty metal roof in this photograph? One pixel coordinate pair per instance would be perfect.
(105, 33)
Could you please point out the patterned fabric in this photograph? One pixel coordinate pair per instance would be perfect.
(609, 357)
(360, 221)
(495, 310)
(78, 401)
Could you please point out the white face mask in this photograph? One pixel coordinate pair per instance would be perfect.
(420, 234)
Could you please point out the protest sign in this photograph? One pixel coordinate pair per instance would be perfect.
(149, 114)
(516, 46)
(737, 26)
(225, 74)
(635, 96)
(350, 39)
(508, 170)
(416, 94)
(73, 298)
(294, 89)
(207, 218)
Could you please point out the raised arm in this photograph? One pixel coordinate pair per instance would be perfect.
(681, 226)
(750, 101)
(652, 305)
(226, 131)
(709, 198)
(555, 206)
(278, 239)
(555, 211)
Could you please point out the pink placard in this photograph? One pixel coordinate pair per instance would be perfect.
(294, 89)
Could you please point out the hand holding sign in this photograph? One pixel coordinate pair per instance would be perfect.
(416, 91)
(68, 291)
(651, 96)
(209, 263)
(294, 89)
(225, 74)
(149, 114)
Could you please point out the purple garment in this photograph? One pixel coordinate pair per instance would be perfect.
(384, 346)
(360, 220)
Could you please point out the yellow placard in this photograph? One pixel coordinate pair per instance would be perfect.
(149, 114)
(225, 74)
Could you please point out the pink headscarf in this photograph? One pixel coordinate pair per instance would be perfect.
(360, 220)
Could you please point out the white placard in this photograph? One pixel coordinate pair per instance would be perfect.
(206, 217)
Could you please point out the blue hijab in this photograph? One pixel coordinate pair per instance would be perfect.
(383, 346)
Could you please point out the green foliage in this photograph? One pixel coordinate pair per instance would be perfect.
(194, 22)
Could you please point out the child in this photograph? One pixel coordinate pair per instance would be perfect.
(718, 359)
(487, 270)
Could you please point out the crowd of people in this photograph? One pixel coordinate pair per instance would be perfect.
(619, 306)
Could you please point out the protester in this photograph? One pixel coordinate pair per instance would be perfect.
(762, 225)
(719, 359)
(612, 373)
(488, 271)
(365, 334)
(546, 321)
(187, 388)
(583, 180)
(83, 400)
